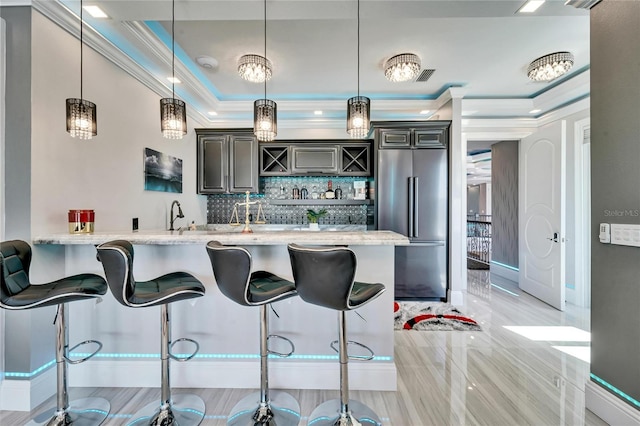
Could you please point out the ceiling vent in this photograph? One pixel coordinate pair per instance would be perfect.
(582, 4)
(425, 75)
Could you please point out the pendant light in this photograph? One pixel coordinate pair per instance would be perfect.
(82, 118)
(265, 111)
(173, 112)
(358, 107)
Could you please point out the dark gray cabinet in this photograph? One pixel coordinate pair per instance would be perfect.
(326, 157)
(402, 135)
(314, 159)
(227, 162)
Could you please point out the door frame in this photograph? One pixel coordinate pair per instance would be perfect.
(582, 223)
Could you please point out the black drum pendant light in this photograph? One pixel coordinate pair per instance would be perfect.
(82, 118)
(265, 111)
(358, 107)
(173, 112)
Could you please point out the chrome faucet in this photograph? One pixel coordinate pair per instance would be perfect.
(179, 215)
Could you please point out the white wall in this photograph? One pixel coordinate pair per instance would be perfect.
(105, 173)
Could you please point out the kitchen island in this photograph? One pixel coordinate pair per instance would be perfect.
(227, 332)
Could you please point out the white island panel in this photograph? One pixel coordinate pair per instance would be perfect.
(228, 333)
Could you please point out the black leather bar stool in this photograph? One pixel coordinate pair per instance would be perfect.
(17, 292)
(232, 270)
(117, 260)
(325, 277)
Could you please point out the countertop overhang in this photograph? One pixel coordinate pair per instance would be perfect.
(280, 237)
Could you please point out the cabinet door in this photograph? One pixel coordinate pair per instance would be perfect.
(274, 160)
(243, 163)
(314, 159)
(212, 164)
(436, 137)
(394, 138)
(356, 159)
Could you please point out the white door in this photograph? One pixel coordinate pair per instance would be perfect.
(542, 214)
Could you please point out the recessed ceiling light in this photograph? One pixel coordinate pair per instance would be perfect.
(212, 113)
(534, 111)
(530, 6)
(95, 11)
(425, 112)
(318, 112)
(173, 80)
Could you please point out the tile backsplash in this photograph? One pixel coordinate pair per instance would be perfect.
(278, 207)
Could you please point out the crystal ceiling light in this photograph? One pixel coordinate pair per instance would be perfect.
(265, 111)
(82, 117)
(173, 112)
(550, 67)
(403, 67)
(254, 68)
(358, 107)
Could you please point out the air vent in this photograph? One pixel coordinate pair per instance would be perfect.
(582, 4)
(425, 75)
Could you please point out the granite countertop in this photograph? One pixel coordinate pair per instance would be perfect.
(262, 235)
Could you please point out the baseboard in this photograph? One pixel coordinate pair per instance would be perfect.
(609, 407)
(501, 272)
(25, 395)
(376, 376)
(455, 298)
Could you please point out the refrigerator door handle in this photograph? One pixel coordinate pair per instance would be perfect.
(411, 206)
(416, 216)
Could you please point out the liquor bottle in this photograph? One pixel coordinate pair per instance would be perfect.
(329, 194)
(338, 192)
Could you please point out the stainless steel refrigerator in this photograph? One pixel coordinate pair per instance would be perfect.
(412, 199)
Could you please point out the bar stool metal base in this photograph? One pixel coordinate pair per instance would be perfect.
(81, 412)
(328, 414)
(282, 410)
(185, 410)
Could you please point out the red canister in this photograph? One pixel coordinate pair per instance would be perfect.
(81, 221)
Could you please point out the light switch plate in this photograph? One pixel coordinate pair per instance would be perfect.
(625, 235)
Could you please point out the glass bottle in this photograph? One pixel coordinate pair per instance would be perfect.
(338, 193)
(304, 194)
(295, 192)
(329, 194)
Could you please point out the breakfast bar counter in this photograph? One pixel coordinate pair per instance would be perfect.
(227, 332)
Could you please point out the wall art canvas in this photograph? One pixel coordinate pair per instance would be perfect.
(162, 172)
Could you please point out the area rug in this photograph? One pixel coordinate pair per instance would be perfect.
(431, 316)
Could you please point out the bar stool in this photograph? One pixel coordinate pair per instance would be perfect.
(117, 261)
(17, 293)
(325, 277)
(232, 270)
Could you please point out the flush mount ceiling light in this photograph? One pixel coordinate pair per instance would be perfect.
(173, 112)
(82, 117)
(265, 111)
(403, 67)
(550, 67)
(254, 68)
(358, 107)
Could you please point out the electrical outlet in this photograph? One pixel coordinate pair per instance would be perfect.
(134, 224)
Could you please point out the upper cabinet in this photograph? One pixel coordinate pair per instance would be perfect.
(313, 157)
(408, 135)
(227, 161)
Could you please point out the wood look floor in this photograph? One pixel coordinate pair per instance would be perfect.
(494, 377)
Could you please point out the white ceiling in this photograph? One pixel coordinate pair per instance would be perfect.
(481, 47)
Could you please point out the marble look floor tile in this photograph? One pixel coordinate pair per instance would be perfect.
(494, 377)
